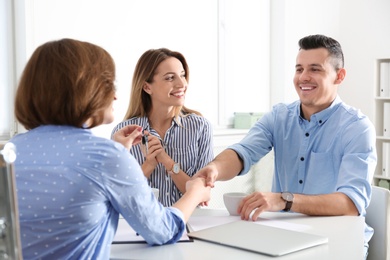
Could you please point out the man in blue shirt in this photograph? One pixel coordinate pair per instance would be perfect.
(325, 153)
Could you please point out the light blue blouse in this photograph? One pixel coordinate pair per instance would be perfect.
(333, 152)
(188, 142)
(71, 188)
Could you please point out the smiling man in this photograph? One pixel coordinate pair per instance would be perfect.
(325, 153)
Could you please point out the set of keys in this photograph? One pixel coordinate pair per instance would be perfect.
(144, 143)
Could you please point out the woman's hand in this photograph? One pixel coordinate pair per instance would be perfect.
(198, 186)
(151, 154)
(128, 136)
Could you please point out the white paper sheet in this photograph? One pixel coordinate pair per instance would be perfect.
(126, 234)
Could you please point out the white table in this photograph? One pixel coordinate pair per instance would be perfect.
(345, 234)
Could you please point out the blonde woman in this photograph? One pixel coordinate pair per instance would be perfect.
(179, 139)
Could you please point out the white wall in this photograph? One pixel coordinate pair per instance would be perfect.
(245, 45)
(365, 27)
(362, 28)
(290, 21)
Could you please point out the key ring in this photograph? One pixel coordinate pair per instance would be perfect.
(145, 145)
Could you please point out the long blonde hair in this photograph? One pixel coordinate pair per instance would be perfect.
(140, 101)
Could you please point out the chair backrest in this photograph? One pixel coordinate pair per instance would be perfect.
(10, 246)
(377, 216)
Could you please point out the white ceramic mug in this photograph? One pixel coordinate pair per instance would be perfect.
(232, 200)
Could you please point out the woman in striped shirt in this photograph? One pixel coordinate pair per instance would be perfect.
(177, 140)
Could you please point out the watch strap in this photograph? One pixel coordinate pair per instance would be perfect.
(288, 206)
(288, 197)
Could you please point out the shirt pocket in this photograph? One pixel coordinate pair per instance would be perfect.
(320, 174)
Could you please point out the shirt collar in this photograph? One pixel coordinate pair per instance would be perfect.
(322, 116)
(177, 121)
(144, 122)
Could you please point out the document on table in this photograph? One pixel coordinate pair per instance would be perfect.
(125, 234)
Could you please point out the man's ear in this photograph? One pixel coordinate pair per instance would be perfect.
(147, 88)
(340, 76)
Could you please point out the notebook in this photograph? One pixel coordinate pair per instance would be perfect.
(259, 238)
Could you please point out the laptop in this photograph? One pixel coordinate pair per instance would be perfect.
(259, 238)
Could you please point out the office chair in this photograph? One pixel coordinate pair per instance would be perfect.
(10, 246)
(377, 216)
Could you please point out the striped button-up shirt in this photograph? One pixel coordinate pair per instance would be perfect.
(188, 142)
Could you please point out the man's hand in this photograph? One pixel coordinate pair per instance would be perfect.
(260, 202)
(209, 172)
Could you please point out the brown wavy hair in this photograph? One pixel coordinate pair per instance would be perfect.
(140, 101)
(65, 82)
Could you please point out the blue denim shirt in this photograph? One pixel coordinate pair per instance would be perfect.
(333, 152)
(71, 188)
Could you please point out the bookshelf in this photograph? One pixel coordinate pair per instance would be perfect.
(382, 122)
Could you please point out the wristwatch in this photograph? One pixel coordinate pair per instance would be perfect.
(175, 169)
(288, 197)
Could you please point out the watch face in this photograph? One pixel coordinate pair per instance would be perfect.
(176, 168)
(287, 196)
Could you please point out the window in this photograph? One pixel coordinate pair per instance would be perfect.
(7, 79)
(225, 42)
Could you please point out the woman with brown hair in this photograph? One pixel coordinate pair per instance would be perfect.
(179, 139)
(73, 185)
